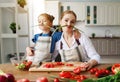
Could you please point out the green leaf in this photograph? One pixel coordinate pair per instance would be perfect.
(109, 68)
(89, 80)
(72, 81)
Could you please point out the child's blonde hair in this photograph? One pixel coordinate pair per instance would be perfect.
(49, 17)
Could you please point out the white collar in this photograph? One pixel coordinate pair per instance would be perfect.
(64, 42)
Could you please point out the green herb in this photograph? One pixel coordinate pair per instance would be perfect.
(60, 27)
(112, 78)
(109, 68)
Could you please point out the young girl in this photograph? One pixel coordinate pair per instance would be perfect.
(40, 51)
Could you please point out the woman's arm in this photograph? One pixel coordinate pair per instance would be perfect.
(90, 51)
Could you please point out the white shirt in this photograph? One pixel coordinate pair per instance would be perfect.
(85, 42)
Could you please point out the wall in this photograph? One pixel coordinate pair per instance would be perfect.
(100, 31)
(87, 0)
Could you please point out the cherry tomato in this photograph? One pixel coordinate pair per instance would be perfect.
(77, 70)
(59, 63)
(56, 80)
(69, 64)
(65, 74)
(107, 71)
(49, 65)
(83, 77)
(42, 79)
(93, 70)
(80, 77)
(23, 80)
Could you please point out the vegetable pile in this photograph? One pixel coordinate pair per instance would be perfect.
(114, 77)
(24, 65)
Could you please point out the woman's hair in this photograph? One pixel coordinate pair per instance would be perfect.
(48, 16)
(68, 12)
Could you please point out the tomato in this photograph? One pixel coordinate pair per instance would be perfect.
(59, 63)
(65, 74)
(83, 77)
(102, 73)
(80, 77)
(77, 70)
(49, 65)
(69, 64)
(23, 80)
(42, 79)
(93, 70)
(115, 68)
(97, 74)
(56, 80)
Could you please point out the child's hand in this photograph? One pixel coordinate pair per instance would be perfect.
(29, 51)
(76, 34)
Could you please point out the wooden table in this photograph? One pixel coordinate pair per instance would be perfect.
(32, 76)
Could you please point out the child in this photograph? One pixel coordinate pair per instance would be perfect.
(42, 41)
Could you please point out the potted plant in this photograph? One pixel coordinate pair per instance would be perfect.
(13, 27)
(93, 35)
(22, 3)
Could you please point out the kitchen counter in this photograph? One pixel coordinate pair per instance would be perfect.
(105, 38)
(32, 76)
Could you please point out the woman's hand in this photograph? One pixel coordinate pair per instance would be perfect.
(88, 65)
(29, 51)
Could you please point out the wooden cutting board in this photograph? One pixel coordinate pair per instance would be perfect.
(64, 67)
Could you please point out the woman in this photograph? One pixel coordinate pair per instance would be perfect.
(71, 49)
(40, 51)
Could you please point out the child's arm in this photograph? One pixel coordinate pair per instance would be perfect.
(30, 50)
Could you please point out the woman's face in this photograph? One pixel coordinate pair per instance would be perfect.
(44, 23)
(68, 21)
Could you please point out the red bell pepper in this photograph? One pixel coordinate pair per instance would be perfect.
(115, 68)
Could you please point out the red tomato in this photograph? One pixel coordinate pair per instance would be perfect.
(93, 70)
(69, 64)
(59, 63)
(65, 74)
(77, 70)
(83, 77)
(115, 68)
(49, 65)
(23, 80)
(56, 80)
(107, 71)
(80, 77)
(42, 79)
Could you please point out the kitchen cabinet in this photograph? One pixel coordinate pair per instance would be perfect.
(77, 7)
(102, 13)
(53, 8)
(13, 43)
(107, 46)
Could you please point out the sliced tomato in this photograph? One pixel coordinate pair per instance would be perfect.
(69, 64)
(49, 65)
(77, 70)
(115, 68)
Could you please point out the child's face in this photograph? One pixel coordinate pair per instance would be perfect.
(44, 23)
